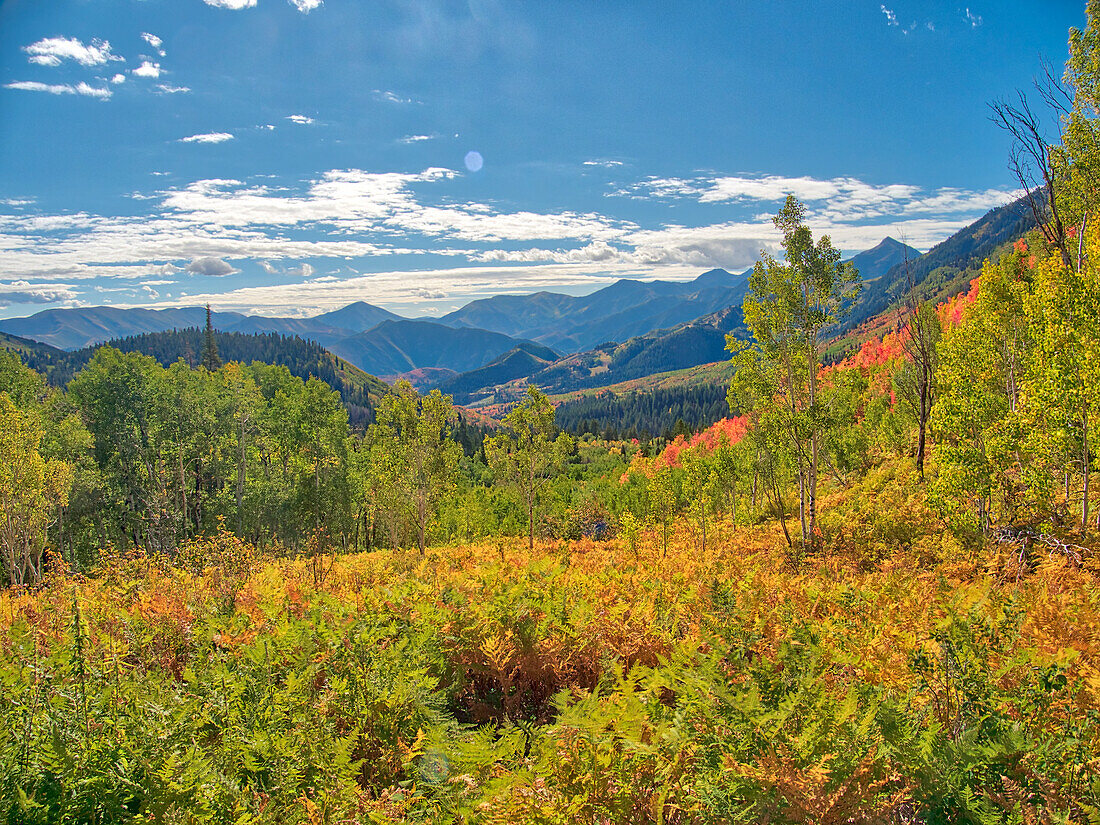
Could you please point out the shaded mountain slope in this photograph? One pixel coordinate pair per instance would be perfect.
(521, 361)
(616, 312)
(685, 345)
(359, 317)
(72, 329)
(395, 347)
(26, 348)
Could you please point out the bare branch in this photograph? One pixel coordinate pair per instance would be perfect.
(1031, 159)
(1051, 89)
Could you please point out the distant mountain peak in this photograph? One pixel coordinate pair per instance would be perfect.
(890, 242)
(880, 259)
(358, 316)
(715, 277)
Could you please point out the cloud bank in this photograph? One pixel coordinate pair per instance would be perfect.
(439, 245)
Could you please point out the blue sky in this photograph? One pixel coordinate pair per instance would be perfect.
(293, 156)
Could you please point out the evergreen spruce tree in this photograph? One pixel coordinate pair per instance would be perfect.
(210, 358)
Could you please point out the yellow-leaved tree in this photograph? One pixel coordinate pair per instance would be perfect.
(31, 488)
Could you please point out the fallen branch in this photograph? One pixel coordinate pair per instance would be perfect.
(1026, 536)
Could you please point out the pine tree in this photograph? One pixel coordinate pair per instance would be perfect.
(210, 358)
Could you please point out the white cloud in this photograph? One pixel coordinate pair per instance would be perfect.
(606, 164)
(303, 270)
(211, 267)
(836, 199)
(49, 223)
(733, 245)
(118, 78)
(415, 138)
(392, 97)
(209, 137)
(147, 69)
(300, 119)
(83, 88)
(700, 247)
(959, 200)
(155, 42)
(168, 89)
(347, 199)
(24, 292)
(52, 50)
(974, 20)
(306, 6)
(35, 86)
(235, 5)
(88, 247)
(731, 188)
(891, 18)
(80, 88)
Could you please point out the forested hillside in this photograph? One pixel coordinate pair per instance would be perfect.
(303, 359)
(851, 589)
(949, 266)
(644, 415)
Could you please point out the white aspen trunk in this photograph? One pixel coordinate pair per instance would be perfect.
(183, 491)
(802, 502)
(812, 503)
(1085, 466)
(240, 478)
(703, 522)
(422, 521)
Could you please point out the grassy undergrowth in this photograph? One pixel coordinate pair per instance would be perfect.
(582, 682)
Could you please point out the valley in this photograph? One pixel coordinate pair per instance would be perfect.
(434, 413)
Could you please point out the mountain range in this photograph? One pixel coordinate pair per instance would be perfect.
(72, 329)
(628, 308)
(560, 342)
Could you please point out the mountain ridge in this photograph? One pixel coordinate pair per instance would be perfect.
(663, 322)
(73, 329)
(394, 347)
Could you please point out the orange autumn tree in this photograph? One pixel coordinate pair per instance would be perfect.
(708, 472)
